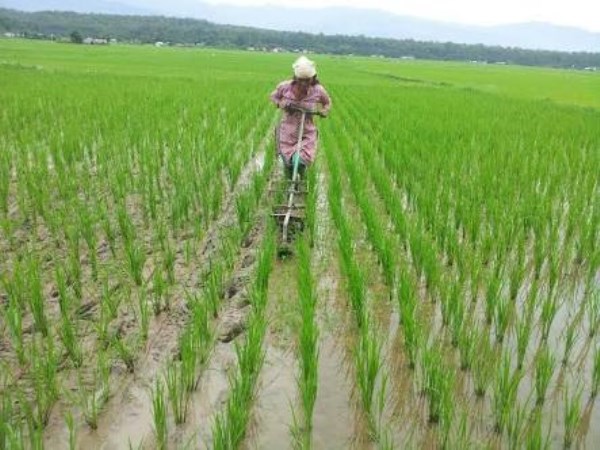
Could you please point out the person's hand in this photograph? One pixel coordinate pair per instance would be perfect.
(323, 113)
(288, 105)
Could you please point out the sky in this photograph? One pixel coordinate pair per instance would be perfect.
(579, 13)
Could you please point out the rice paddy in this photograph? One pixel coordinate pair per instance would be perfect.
(445, 292)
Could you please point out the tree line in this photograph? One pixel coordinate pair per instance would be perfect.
(150, 29)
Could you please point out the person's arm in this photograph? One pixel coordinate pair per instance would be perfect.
(325, 101)
(277, 97)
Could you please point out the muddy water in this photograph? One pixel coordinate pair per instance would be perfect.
(277, 386)
(207, 401)
(334, 419)
(273, 416)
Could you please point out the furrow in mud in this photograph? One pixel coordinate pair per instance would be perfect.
(334, 414)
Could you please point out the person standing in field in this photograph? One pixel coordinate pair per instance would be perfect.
(303, 92)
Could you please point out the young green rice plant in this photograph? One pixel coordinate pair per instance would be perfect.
(159, 289)
(503, 312)
(307, 337)
(544, 369)
(230, 425)
(169, 263)
(571, 335)
(456, 313)
(534, 437)
(549, 310)
(596, 373)
(593, 312)
(492, 295)
(214, 288)
(93, 398)
(407, 305)
(70, 423)
(6, 416)
(136, 258)
(125, 353)
(44, 370)
(36, 296)
(504, 393)
(572, 416)
(69, 338)
(86, 225)
(201, 338)
(75, 275)
(144, 314)
(523, 330)
(467, 345)
(438, 384)
(109, 230)
(13, 318)
(109, 300)
(159, 413)
(484, 364)
(516, 427)
(367, 360)
(178, 394)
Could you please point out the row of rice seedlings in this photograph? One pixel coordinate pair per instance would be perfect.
(92, 398)
(159, 414)
(370, 378)
(308, 337)
(376, 230)
(230, 424)
(195, 346)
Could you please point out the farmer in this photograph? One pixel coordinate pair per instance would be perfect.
(306, 93)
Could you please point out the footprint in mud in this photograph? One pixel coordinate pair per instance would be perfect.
(248, 261)
(234, 323)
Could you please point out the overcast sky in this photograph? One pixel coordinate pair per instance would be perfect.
(579, 13)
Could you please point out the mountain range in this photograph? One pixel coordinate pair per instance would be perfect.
(337, 20)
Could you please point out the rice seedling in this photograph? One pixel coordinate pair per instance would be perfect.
(456, 314)
(136, 258)
(408, 318)
(571, 335)
(125, 353)
(69, 338)
(548, 313)
(524, 328)
(544, 369)
(515, 427)
(159, 413)
(144, 314)
(596, 373)
(593, 312)
(438, 383)
(70, 423)
(177, 380)
(307, 338)
(367, 360)
(572, 416)
(534, 437)
(159, 291)
(36, 296)
(12, 316)
(484, 364)
(504, 393)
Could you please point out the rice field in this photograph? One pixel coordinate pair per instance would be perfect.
(445, 292)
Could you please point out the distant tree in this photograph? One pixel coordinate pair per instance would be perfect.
(148, 29)
(76, 37)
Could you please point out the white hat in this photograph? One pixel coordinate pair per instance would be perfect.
(304, 68)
